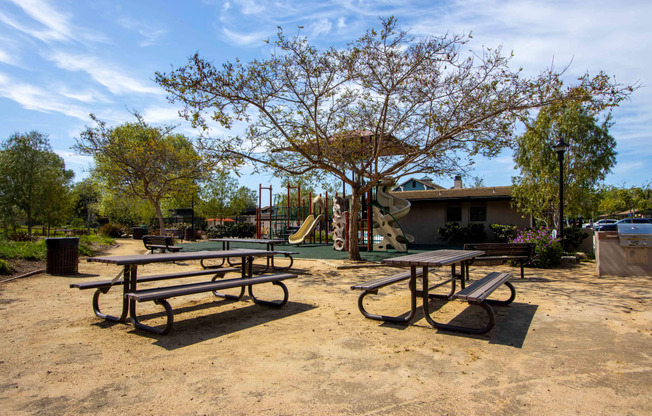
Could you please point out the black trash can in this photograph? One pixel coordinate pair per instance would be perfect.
(62, 255)
(138, 232)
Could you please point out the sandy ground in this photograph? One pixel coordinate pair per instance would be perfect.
(571, 343)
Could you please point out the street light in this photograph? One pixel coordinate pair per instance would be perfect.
(560, 148)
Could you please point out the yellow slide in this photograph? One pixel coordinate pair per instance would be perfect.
(306, 228)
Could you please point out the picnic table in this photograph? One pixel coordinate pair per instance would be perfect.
(268, 242)
(419, 264)
(130, 280)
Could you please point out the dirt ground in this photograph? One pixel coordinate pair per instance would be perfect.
(571, 343)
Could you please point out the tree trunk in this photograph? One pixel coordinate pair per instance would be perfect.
(159, 215)
(354, 246)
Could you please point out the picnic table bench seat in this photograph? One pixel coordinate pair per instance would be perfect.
(161, 294)
(374, 285)
(151, 278)
(519, 252)
(103, 286)
(160, 242)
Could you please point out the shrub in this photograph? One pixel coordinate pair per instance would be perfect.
(244, 230)
(573, 237)
(455, 234)
(451, 232)
(240, 230)
(23, 250)
(503, 233)
(474, 233)
(20, 236)
(113, 230)
(547, 249)
(5, 267)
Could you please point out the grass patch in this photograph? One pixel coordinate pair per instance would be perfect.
(88, 245)
(22, 250)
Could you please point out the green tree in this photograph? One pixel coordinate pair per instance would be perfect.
(388, 105)
(34, 182)
(218, 193)
(635, 199)
(588, 159)
(86, 195)
(143, 161)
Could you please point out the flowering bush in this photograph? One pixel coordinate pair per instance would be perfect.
(547, 249)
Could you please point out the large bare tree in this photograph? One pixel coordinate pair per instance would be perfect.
(387, 105)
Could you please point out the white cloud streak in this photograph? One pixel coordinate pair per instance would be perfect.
(101, 71)
(35, 98)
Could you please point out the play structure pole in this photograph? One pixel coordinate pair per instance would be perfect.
(259, 213)
(370, 240)
(327, 222)
(298, 188)
(346, 233)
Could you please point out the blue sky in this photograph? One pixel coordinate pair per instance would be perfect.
(61, 60)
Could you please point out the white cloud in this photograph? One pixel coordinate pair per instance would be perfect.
(321, 26)
(6, 58)
(151, 32)
(86, 96)
(161, 114)
(249, 39)
(56, 25)
(250, 7)
(35, 98)
(47, 23)
(101, 71)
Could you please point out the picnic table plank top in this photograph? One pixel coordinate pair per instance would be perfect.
(163, 257)
(434, 258)
(248, 240)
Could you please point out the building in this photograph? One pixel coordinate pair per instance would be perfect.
(432, 209)
(424, 184)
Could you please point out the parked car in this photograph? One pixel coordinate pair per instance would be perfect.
(600, 223)
(614, 227)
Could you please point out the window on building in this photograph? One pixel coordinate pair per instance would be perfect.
(478, 213)
(453, 213)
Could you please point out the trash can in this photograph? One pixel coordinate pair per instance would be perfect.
(62, 255)
(138, 232)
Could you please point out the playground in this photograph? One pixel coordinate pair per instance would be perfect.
(568, 335)
(320, 222)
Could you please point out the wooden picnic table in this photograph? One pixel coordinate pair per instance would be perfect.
(427, 260)
(475, 294)
(130, 281)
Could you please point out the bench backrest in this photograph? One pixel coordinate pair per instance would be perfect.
(158, 240)
(502, 249)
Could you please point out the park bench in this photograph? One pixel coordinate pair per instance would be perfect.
(502, 252)
(160, 242)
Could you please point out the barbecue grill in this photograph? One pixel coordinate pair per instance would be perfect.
(635, 235)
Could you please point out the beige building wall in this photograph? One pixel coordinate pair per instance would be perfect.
(426, 217)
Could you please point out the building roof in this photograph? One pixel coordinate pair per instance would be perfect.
(427, 182)
(489, 192)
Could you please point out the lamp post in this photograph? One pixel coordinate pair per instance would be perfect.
(560, 148)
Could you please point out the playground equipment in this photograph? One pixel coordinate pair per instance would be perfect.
(282, 221)
(386, 224)
(310, 222)
(378, 224)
